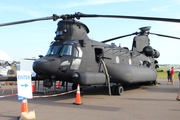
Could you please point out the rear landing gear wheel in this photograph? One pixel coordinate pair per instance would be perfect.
(156, 83)
(120, 90)
(117, 90)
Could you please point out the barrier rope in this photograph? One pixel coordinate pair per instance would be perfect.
(44, 96)
(8, 95)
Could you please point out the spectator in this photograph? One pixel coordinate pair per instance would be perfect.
(172, 75)
(178, 74)
(178, 95)
(168, 75)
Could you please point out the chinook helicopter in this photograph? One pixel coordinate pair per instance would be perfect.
(74, 57)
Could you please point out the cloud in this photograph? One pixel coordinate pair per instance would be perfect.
(20, 9)
(160, 9)
(4, 7)
(176, 1)
(94, 2)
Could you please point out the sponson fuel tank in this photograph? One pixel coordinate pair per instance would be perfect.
(121, 73)
(89, 78)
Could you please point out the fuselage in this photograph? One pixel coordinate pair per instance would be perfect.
(75, 58)
(123, 65)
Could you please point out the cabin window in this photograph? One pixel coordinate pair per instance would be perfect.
(75, 52)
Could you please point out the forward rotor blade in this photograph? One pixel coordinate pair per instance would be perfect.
(134, 17)
(119, 37)
(26, 21)
(165, 36)
(78, 15)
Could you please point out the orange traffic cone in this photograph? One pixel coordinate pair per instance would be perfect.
(33, 87)
(58, 84)
(78, 96)
(24, 106)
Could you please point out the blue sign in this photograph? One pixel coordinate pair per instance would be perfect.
(23, 77)
(24, 85)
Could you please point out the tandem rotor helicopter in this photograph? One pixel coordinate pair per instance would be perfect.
(74, 57)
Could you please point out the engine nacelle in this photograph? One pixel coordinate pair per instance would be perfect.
(148, 51)
(156, 54)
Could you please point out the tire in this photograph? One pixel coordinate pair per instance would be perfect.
(120, 90)
(74, 86)
(155, 82)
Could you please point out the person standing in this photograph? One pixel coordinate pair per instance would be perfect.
(178, 74)
(172, 75)
(178, 95)
(168, 75)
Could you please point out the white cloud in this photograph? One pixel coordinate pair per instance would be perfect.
(20, 9)
(95, 2)
(174, 27)
(176, 1)
(160, 9)
(4, 7)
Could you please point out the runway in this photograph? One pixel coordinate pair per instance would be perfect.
(137, 103)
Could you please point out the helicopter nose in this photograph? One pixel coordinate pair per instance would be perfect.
(41, 66)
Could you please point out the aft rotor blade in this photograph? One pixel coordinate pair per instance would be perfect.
(165, 36)
(26, 21)
(119, 37)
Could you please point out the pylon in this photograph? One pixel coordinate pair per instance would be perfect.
(58, 84)
(24, 106)
(78, 96)
(33, 87)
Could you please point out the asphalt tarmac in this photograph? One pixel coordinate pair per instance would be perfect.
(137, 103)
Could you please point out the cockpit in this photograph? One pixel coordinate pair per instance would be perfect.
(53, 50)
(68, 48)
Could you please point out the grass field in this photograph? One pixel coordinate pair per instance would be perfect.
(164, 73)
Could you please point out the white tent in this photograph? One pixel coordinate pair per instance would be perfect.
(5, 57)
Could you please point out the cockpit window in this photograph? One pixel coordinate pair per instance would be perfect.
(66, 50)
(53, 50)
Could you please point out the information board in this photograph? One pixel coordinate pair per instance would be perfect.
(24, 85)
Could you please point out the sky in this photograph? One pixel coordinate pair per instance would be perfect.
(33, 39)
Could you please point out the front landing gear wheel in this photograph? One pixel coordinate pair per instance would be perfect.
(74, 86)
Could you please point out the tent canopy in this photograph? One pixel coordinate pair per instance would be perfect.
(5, 57)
